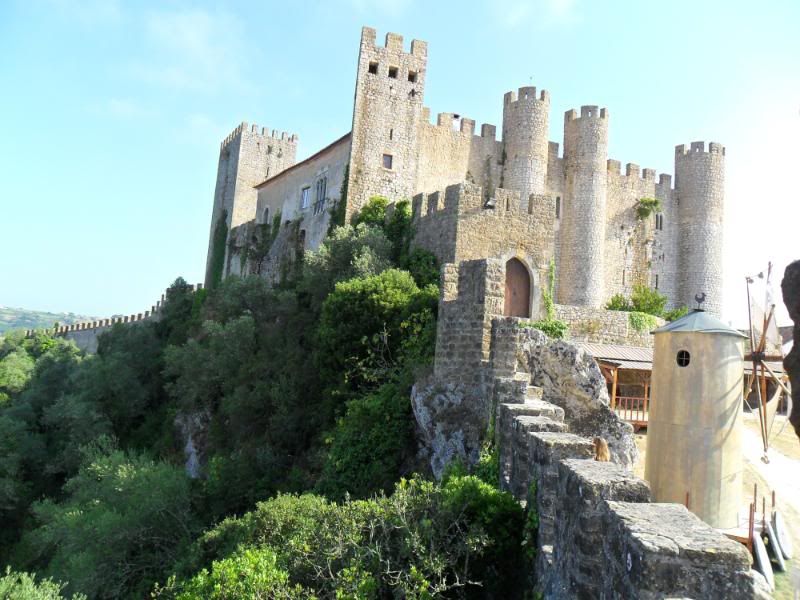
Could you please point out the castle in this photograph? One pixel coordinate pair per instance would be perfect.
(516, 199)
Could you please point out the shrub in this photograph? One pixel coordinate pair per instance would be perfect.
(124, 519)
(423, 266)
(619, 302)
(647, 300)
(22, 586)
(553, 328)
(641, 322)
(399, 230)
(369, 444)
(373, 212)
(646, 207)
(676, 313)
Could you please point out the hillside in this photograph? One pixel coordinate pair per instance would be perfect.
(20, 318)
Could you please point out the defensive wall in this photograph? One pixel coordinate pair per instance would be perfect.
(599, 534)
(86, 334)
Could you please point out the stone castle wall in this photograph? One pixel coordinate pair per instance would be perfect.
(585, 209)
(246, 158)
(700, 189)
(601, 326)
(599, 536)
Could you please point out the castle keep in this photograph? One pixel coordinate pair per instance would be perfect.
(519, 199)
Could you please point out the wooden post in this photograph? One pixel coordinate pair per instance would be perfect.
(614, 388)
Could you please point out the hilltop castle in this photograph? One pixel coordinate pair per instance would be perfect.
(516, 200)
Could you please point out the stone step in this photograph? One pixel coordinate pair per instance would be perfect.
(534, 408)
(526, 423)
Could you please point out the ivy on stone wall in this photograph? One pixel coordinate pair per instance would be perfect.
(218, 250)
(642, 322)
(646, 207)
(339, 209)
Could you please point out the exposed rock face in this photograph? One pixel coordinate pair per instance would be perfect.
(570, 378)
(790, 286)
(451, 421)
(192, 430)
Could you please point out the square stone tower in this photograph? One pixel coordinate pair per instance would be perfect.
(386, 118)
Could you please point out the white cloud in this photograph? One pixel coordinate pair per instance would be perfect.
(194, 50)
(511, 14)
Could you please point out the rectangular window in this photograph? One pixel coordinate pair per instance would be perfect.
(387, 161)
(412, 76)
(656, 281)
(305, 197)
(558, 207)
(393, 72)
(623, 276)
(321, 191)
(373, 68)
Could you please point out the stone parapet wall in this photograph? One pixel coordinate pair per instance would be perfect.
(599, 536)
(601, 326)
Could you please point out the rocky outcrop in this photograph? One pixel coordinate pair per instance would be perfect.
(570, 378)
(452, 419)
(790, 286)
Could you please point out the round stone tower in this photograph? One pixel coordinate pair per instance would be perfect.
(581, 266)
(525, 141)
(700, 192)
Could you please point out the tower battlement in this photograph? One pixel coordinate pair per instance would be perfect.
(526, 94)
(265, 132)
(393, 42)
(699, 148)
(587, 112)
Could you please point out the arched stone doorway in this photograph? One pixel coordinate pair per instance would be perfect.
(518, 290)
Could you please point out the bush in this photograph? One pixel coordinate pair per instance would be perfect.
(423, 266)
(646, 300)
(22, 586)
(423, 541)
(251, 573)
(676, 313)
(641, 322)
(646, 207)
(373, 212)
(125, 518)
(619, 302)
(369, 444)
(553, 328)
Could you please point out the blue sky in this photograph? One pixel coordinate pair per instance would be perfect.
(112, 113)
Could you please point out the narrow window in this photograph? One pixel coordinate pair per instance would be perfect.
(623, 276)
(683, 358)
(558, 207)
(393, 72)
(373, 67)
(391, 134)
(304, 197)
(387, 161)
(412, 76)
(269, 149)
(656, 281)
(266, 215)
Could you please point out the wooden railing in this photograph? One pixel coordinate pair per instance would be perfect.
(632, 409)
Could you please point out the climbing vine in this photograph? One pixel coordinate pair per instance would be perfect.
(646, 207)
(218, 250)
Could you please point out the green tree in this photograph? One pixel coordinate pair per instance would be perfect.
(23, 586)
(124, 519)
(373, 212)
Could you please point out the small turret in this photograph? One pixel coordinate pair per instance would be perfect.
(525, 131)
(583, 230)
(700, 193)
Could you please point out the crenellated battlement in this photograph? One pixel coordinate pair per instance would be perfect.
(699, 148)
(155, 310)
(393, 43)
(632, 170)
(488, 131)
(587, 112)
(526, 94)
(264, 132)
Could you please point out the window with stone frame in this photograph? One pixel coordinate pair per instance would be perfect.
(388, 161)
(305, 196)
(321, 191)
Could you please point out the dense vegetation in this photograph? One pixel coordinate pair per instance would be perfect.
(297, 398)
(645, 302)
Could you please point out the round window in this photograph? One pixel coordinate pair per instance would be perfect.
(683, 358)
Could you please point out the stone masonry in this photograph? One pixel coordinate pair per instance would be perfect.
(599, 536)
(582, 210)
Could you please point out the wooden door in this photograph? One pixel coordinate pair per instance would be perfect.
(518, 290)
